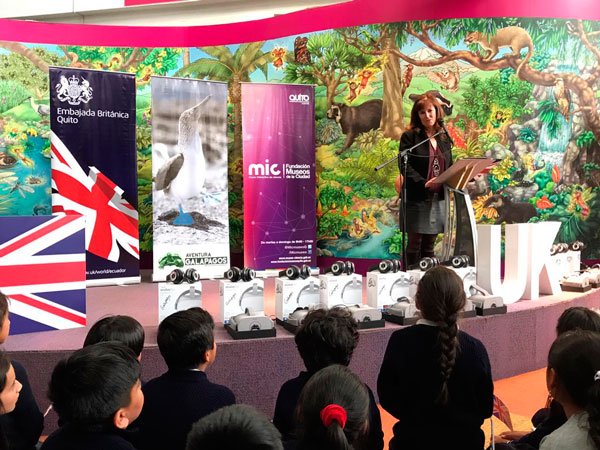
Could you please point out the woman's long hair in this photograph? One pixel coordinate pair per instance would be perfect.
(421, 103)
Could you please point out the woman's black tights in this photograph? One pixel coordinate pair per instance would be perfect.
(419, 246)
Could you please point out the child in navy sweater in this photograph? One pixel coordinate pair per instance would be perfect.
(182, 395)
(326, 337)
(435, 379)
(97, 393)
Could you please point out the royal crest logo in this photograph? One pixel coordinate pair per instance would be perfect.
(71, 91)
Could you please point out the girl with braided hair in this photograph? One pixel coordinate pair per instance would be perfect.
(333, 410)
(435, 379)
(573, 380)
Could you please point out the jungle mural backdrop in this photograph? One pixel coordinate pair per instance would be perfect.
(522, 91)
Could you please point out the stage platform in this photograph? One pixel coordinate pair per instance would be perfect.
(517, 342)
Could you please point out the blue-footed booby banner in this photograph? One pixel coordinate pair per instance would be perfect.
(94, 171)
(189, 171)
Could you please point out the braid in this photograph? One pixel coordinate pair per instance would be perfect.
(448, 345)
(440, 297)
(593, 410)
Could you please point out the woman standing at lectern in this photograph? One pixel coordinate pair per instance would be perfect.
(424, 197)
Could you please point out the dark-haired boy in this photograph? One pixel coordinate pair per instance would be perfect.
(97, 393)
(23, 426)
(123, 329)
(183, 394)
(326, 337)
(239, 427)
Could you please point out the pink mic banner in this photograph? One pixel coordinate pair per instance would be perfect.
(279, 175)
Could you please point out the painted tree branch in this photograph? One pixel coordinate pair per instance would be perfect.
(361, 46)
(26, 53)
(74, 58)
(426, 28)
(134, 58)
(586, 41)
(578, 85)
(472, 58)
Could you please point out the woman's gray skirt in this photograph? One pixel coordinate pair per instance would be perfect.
(426, 217)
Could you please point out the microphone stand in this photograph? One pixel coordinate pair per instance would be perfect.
(404, 155)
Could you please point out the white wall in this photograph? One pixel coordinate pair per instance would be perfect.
(183, 13)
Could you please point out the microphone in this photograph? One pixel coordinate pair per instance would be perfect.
(443, 125)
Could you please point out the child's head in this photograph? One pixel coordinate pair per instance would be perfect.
(333, 409)
(327, 337)
(123, 329)
(10, 387)
(239, 427)
(573, 375)
(578, 318)
(185, 339)
(440, 298)
(97, 387)
(4, 319)
(440, 295)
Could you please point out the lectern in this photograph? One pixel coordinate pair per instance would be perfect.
(460, 232)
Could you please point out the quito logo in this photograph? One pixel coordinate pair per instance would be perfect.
(265, 170)
(73, 91)
(299, 98)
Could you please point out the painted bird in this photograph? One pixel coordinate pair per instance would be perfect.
(562, 94)
(182, 176)
(42, 110)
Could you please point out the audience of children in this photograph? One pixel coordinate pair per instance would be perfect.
(546, 420)
(333, 410)
(573, 380)
(433, 376)
(236, 427)
(326, 337)
(182, 395)
(122, 329)
(96, 393)
(22, 426)
(435, 379)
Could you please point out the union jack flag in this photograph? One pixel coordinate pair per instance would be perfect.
(502, 413)
(42, 270)
(110, 219)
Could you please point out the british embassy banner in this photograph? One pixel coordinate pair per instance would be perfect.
(94, 170)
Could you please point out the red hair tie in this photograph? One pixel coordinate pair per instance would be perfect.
(334, 413)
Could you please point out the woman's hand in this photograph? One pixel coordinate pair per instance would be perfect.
(431, 183)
